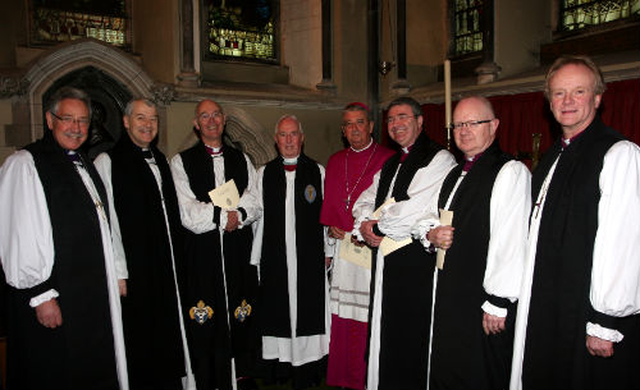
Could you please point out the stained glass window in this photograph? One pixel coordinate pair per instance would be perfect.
(577, 14)
(67, 20)
(468, 26)
(241, 29)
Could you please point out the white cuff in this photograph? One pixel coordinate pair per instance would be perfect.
(494, 310)
(45, 296)
(600, 332)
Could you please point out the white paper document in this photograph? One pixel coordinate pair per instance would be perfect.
(226, 196)
(446, 219)
(358, 255)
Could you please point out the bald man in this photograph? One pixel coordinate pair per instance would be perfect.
(219, 285)
(478, 286)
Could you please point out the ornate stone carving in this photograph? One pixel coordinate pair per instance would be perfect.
(163, 94)
(13, 85)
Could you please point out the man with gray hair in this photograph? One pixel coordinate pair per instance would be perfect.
(289, 249)
(57, 251)
(137, 178)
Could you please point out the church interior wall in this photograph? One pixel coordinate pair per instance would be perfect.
(350, 50)
(301, 40)
(519, 30)
(12, 21)
(155, 37)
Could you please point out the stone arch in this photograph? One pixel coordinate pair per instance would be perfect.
(241, 128)
(66, 58)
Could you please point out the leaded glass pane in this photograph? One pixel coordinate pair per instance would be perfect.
(577, 14)
(67, 20)
(241, 29)
(467, 22)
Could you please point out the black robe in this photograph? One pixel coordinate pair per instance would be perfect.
(555, 356)
(150, 310)
(407, 285)
(213, 343)
(274, 290)
(79, 354)
(463, 356)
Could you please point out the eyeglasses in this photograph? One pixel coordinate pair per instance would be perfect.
(400, 118)
(205, 116)
(469, 124)
(68, 120)
(359, 124)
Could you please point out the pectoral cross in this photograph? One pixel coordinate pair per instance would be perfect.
(347, 202)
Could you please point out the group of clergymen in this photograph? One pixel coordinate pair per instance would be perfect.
(135, 272)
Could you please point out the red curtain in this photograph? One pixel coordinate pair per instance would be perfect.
(525, 114)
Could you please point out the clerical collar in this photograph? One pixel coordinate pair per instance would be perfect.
(214, 152)
(567, 141)
(74, 157)
(147, 153)
(469, 161)
(290, 164)
(290, 160)
(405, 152)
(363, 149)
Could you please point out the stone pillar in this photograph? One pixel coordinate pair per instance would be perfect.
(188, 76)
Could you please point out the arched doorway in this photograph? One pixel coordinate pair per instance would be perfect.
(108, 100)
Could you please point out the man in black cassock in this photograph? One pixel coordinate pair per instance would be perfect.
(57, 251)
(578, 323)
(478, 284)
(137, 176)
(400, 309)
(220, 285)
(289, 249)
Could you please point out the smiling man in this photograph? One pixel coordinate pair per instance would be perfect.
(400, 307)
(289, 249)
(578, 323)
(56, 247)
(474, 303)
(138, 179)
(218, 279)
(349, 172)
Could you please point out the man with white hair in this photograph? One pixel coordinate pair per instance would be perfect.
(289, 249)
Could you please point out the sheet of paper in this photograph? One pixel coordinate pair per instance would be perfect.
(226, 196)
(446, 218)
(358, 255)
(388, 245)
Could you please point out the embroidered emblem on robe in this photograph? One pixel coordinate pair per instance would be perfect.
(201, 313)
(310, 193)
(243, 311)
